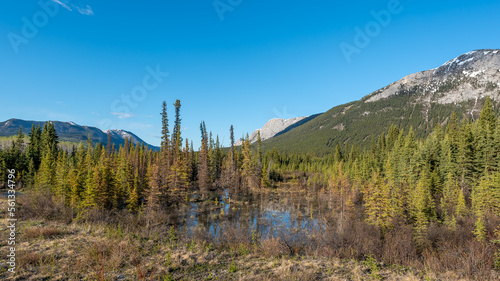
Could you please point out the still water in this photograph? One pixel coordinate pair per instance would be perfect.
(269, 213)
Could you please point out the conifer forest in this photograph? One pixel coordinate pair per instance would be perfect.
(404, 207)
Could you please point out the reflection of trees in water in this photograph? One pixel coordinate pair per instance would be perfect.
(278, 213)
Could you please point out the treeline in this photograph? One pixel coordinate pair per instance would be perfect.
(451, 176)
(446, 178)
(132, 176)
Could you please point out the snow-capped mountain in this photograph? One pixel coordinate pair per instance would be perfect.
(418, 101)
(469, 76)
(69, 131)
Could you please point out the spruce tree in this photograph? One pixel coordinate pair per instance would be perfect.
(231, 151)
(247, 166)
(75, 188)
(165, 140)
(17, 157)
(19, 143)
(378, 207)
(487, 150)
(216, 160)
(203, 168)
(450, 149)
(176, 132)
(450, 199)
(467, 152)
(397, 195)
(107, 195)
(109, 144)
(423, 208)
(49, 139)
(134, 195)
(3, 171)
(264, 179)
(124, 176)
(486, 196)
(61, 174)
(90, 195)
(34, 150)
(259, 148)
(47, 172)
(188, 166)
(178, 173)
(156, 194)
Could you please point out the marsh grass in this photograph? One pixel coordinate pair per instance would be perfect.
(101, 245)
(43, 232)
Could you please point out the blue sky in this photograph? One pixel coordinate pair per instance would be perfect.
(110, 64)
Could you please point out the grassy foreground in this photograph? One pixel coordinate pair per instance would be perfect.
(51, 245)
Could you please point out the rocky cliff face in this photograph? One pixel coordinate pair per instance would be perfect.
(272, 128)
(469, 76)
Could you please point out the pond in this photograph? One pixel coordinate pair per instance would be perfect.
(270, 213)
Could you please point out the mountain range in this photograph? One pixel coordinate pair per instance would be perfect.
(420, 100)
(69, 131)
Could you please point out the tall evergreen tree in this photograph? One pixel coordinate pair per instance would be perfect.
(124, 177)
(423, 208)
(107, 196)
(46, 174)
(247, 166)
(216, 160)
(34, 149)
(165, 139)
(450, 199)
(156, 195)
(203, 168)
(178, 174)
(61, 177)
(467, 152)
(19, 143)
(49, 139)
(176, 132)
(16, 157)
(133, 201)
(109, 144)
(3, 171)
(378, 205)
(487, 150)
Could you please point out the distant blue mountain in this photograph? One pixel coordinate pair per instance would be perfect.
(69, 131)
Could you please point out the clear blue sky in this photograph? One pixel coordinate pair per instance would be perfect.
(237, 62)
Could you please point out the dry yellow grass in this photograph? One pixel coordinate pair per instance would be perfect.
(51, 250)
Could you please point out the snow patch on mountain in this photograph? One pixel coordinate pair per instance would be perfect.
(463, 78)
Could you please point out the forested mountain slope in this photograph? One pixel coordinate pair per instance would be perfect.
(419, 100)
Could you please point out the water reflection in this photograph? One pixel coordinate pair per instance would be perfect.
(269, 213)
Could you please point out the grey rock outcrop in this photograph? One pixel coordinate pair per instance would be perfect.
(271, 129)
(469, 76)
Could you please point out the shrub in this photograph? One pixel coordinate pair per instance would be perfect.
(274, 247)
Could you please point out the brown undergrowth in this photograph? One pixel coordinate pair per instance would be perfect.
(101, 245)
